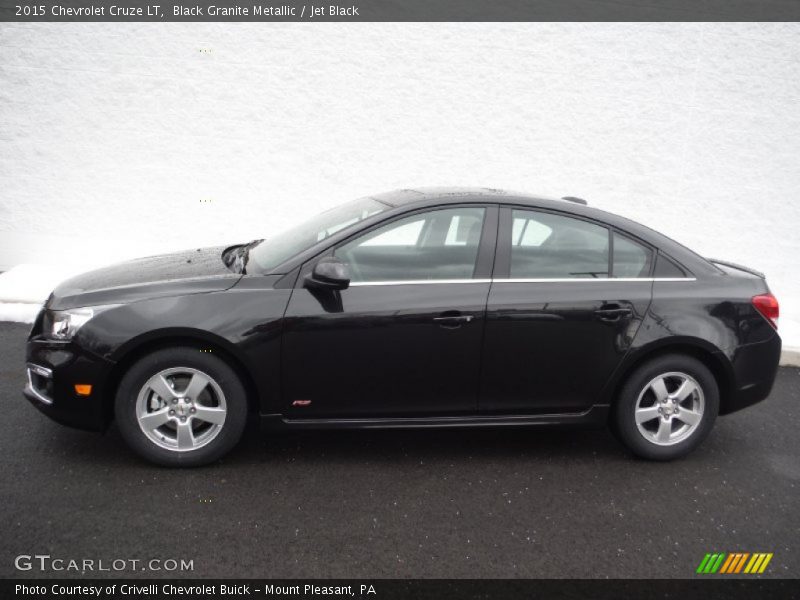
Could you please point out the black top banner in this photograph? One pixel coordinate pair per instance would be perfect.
(318, 11)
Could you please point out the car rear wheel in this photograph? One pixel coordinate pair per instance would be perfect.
(181, 407)
(666, 407)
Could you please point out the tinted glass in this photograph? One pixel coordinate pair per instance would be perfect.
(549, 246)
(440, 244)
(666, 268)
(273, 251)
(631, 259)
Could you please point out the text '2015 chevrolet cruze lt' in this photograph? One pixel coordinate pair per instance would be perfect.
(414, 308)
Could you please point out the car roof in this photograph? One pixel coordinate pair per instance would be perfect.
(454, 195)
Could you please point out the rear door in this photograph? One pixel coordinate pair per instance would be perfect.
(567, 298)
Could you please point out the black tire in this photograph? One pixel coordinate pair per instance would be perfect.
(623, 418)
(228, 433)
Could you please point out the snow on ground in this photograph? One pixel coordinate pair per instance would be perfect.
(24, 288)
(19, 312)
(790, 332)
(33, 283)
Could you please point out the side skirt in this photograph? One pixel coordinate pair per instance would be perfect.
(597, 416)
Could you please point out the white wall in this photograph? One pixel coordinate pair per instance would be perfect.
(111, 135)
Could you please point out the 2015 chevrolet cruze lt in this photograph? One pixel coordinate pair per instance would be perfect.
(415, 308)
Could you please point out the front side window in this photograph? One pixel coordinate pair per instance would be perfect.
(550, 246)
(439, 244)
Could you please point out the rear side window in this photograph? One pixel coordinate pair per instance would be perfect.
(549, 246)
(666, 268)
(631, 259)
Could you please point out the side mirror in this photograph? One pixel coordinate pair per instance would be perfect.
(329, 273)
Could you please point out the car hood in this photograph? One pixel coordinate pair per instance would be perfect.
(178, 273)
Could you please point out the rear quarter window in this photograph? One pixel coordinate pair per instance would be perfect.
(631, 259)
(667, 268)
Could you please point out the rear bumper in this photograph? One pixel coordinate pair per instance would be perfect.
(755, 367)
(53, 371)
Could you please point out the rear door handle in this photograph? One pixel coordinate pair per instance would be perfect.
(453, 321)
(612, 312)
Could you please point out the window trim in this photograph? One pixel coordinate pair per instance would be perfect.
(494, 252)
(502, 268)
(522, 280)
(484, 261)
(502, 264)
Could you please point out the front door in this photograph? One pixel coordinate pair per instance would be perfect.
(561, 313)
(405, 338)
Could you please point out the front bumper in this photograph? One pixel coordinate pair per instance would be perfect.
(54, 369)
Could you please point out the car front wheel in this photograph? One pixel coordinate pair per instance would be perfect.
(666, 408)
(181, 407)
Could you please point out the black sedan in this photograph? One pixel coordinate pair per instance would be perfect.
(417, 308)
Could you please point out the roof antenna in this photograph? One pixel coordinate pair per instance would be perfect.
(575, 200)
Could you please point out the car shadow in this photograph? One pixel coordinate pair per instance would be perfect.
(356, 446)
(427, 444)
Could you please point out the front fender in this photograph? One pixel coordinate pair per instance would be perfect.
(246, 323)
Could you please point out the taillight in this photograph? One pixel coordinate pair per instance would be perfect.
(767, 305)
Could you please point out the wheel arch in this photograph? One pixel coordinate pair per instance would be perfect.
(130, 352)
(711, 357)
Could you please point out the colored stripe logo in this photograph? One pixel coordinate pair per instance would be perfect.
(734, 562)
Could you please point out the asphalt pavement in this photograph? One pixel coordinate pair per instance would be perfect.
(383, 504)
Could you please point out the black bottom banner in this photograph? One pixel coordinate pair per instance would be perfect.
(387, 589)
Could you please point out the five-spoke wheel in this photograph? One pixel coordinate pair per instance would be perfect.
(666, 407)
(181, 406)
(181, 409)
(669, 408)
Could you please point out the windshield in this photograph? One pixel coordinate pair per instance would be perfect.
(273, 251)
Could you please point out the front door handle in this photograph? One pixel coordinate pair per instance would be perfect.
(453, 321)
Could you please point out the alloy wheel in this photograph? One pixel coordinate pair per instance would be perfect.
(669, 408)
(181, 409)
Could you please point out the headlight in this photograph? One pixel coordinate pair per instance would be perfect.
(62, 325)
